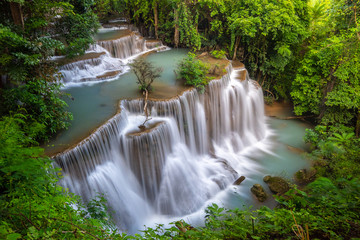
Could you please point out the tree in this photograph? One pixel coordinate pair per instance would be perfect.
(30, 33)
(328, 81)
(145, 73)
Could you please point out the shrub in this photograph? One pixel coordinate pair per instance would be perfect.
(193, 71)
(33, 206)
(41, 102)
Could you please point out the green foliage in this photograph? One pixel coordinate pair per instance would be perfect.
(335, 151)
(72, 31)
(146, 73)
(269, 36)
(40, 101)
(327, 82)
(33, 206)
(329, 210)
(28, 77)
(189, 35)
(219, 54)
(105, 7)
(193, 71)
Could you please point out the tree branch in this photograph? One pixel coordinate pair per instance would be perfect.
(21, 214)
(82, 230)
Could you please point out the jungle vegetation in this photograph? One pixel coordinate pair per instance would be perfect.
(303, 51)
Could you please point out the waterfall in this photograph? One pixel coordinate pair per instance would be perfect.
(190, 151)
(93, 68)
(107, 59)
(124, 47)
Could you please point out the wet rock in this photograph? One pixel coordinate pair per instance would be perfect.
(239, 180)
(304, 176)
(259, 192)
(277, 185)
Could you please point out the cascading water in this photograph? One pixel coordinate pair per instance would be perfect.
(124, 47)
(190, 151)
(91, 69)
(110, 60)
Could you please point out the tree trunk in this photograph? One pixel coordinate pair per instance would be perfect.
(176, 34)
(17, 14)
(237, 42)
(156, 19)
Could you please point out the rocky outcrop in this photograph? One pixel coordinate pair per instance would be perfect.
(259, 192)
(277, 185)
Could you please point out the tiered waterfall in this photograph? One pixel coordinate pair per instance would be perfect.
(107, 59)
(190, 151)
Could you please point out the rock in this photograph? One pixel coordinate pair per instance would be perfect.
(267, 178)
(239, 180)
(300, 176)
(259, 192)
(277, 184)
(304, 176)
(203, 54)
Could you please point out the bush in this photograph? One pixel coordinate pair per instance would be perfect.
(193, 71)
(41, 102)
(327, 211)
(33, 206)
(219, 54)
(336, 151)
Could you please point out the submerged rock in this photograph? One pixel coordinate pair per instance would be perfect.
(259, 192)
(239, 180)
(277, 185)
(295, 149)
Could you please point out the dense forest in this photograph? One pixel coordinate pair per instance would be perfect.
(303, 51)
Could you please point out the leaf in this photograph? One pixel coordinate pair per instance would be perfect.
(13, 236)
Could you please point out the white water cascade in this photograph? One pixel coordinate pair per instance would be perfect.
(190, 152)
(107, 59)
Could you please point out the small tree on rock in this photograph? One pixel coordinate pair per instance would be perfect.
(146, 73)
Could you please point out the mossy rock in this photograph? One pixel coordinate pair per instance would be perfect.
(259, 192)
(277, 185)
(304, 176)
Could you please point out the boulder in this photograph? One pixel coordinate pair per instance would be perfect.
(277, 185)
(239, 180)
(259, 192)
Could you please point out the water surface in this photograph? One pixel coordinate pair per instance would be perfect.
(93, 103)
